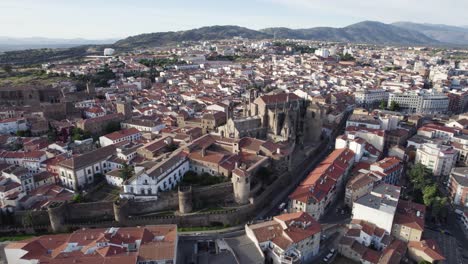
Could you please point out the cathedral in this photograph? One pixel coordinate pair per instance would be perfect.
(279, 117)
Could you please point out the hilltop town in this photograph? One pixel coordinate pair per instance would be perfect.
(237, 151)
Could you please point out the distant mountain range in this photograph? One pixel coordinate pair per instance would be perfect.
(442, 33)
(364, 32)
(199, 34)
(370, 32)
(10, 43)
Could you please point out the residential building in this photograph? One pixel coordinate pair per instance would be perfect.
(424, 103)
(440, 159)
(408, 224)
(370, 97)
(287, 238)
(318, 190)
(97, 125)
(144, 125)
(78, 172)
(135, 245)
(32, 160)
(379, 206)
(425, 250)
(13, 125)
(458, 186)
(359, 120)
(375, 137)
(358, 186)
(129, 135)
(147, 182)
(389, 169)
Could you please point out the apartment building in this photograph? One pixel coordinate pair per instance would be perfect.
(32, 160)
(389, 169)
(379, 206)
(287, 238)
(78, 172)
(440, 159)
(318, 190)
(424, 103)
(370, 97)
(458, 186)
(132, 245)
(13, 125)
(130, 135)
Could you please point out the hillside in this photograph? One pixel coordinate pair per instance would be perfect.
(364, 32)
(37, 56)
(442, 33)
(199, 34)
(12, 43)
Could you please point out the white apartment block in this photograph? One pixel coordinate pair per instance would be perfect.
(144, 125)
(378, 207)
(287, 239)
(425, 103)
(438, 158)
(162, 177)
(368, 97)
(13, 125)
(131, 134)
(30, 160)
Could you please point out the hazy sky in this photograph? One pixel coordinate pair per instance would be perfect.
(120, 18)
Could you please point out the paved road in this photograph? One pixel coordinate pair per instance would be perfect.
(302, 170)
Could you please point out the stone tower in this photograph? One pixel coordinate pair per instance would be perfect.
(185, 199)
(313, 124)
(90, 88)
(124, 108)
(241, 184)
(121, 211)
(57, 213)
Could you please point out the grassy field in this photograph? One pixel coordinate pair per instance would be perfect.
(14, 238)
(105, 193)
(27, 77)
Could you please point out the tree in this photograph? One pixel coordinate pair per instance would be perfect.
(439, 207)
(28, 219)
(52, 134)
(263, 174)
(347, 57)
(79, 134)
(7, 68)
(429, 194)
(126, 172)
(112, 127)
(394, 106)
(77, 198)
(23, 133)
(418, 176)
(383, 105)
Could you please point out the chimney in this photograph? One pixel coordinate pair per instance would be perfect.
(278, 151)
(236, 165)
(203, 152)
